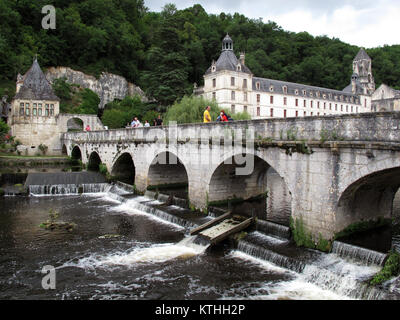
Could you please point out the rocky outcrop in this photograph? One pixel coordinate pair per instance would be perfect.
(108, 87)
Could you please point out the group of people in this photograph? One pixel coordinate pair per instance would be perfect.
(223, 117)
(137, 124)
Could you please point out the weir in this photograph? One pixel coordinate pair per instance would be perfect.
(267, 241)
(366, 256)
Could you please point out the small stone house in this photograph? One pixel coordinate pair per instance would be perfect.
(35, 118)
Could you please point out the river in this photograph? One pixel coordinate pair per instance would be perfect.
(146, 257)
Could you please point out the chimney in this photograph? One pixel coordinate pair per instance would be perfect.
(242, 58)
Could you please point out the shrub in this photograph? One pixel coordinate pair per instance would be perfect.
(389, 270)
(43, 148)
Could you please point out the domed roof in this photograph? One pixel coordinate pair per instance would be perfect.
(228, 60)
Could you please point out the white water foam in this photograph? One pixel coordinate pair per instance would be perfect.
(129, 207)
(149, 255)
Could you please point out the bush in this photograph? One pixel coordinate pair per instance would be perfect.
(43, 148)
(118, 114)
(4, 129)
(191, 110)
(389, 270)
(115, 119)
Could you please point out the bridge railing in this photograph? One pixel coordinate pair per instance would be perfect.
(374, 127)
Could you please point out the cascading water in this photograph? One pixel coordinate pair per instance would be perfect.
(368, 257)
(273, 229)
(328, 272)
(269, 255)
(68, 189)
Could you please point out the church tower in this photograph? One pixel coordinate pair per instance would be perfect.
(362, 72)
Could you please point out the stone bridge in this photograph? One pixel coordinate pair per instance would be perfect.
(332, 170)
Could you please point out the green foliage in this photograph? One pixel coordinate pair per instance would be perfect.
(291, 134)
(389, 270)
(103, 169)
(62, 89)
(75, 99)
(43, 148)
(305, 239)
(166, 52)
(118, 114)
(191, 110)
(4, 129)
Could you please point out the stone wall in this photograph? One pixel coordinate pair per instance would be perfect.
(108, 87)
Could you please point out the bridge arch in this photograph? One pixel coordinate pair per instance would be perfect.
(227, 183)
(368, 198)
(76, 153)
(167, 169)
(94, 162)
(124, 169)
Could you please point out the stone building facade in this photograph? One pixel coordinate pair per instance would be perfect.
(35, 119)
(231, 83)
(386, 98)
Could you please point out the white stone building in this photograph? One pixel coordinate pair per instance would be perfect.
(386, 98)
(231, 83)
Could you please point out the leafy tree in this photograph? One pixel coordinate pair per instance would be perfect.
(190, 110)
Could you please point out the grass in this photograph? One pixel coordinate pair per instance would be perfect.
(11, 156)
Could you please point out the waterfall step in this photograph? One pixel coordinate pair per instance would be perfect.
(363, 255)
(222, 227)
(273, 229)
(281, 247)
(64, 178)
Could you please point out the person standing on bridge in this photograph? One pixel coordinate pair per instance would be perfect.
(158, 121)
(87, 128)
(207, 116)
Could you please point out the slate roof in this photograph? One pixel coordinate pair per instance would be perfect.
(35, 85)
(228, 61)
(349, 88)
(278, 85)
(362, 55)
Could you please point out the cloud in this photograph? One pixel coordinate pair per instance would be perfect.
(366, 23)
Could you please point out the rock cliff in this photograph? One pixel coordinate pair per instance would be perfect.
(108, 87)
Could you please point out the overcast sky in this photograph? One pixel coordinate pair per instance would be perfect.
(365, 23)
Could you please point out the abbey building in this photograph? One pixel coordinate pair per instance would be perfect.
(231, 83)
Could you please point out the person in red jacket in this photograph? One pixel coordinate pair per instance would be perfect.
(222, 117)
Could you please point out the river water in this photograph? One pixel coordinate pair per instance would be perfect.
(146, 258)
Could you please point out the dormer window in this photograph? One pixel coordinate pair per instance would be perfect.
(311, 94)
(304, 92)
(271, 88)
(296, 92)
(284, 88)
(213, 68)
(258, 86)
(239, 67)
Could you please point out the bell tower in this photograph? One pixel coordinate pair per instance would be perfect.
(362, 69)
